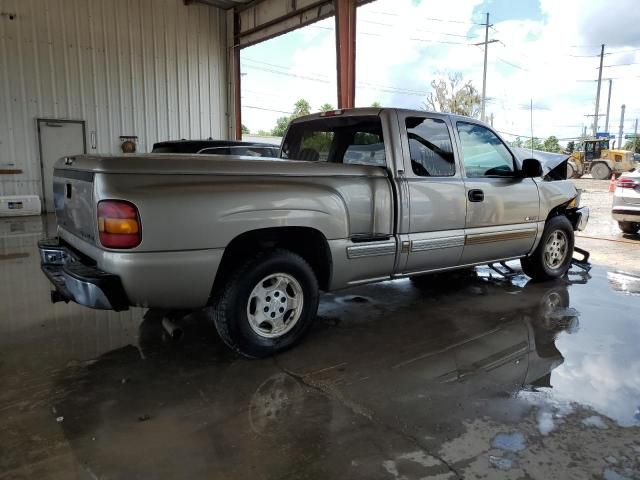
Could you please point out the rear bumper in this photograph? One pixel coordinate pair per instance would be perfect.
(579, 217)
(624, 213)
(77, 282)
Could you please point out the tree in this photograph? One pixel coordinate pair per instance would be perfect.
(551, 144)
(281, 126)
(517, 142)
(326, 107)
(454, 96)
(300, 108)
(537, 144)
(376, 104)
(629, 146)
(264, 133)
(571, 146)
(244, 129)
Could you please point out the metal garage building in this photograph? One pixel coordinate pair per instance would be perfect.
(77, 75)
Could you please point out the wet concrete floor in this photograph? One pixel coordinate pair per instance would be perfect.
(455, 376)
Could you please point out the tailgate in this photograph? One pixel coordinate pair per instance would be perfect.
(74, 203)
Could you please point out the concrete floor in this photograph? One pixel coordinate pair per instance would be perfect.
(457, 376)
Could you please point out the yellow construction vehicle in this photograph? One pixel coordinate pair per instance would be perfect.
(594, 156)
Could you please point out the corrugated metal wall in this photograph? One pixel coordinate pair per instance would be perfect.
(151, 68)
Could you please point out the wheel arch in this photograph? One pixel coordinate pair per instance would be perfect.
(310, 243)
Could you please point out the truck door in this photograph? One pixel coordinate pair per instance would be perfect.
(502, 208)
(435, 236)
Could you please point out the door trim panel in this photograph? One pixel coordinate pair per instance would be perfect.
(490, 237)
(372, 250)
(437, 243)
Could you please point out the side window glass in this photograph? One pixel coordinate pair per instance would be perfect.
(430, 147)
(365, 149)
(483, 152)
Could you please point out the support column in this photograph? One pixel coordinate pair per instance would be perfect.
(345, 14)
(237, 76)
(234, 120)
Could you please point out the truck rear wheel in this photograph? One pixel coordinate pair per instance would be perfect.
(601, 171)
(571, 171)
(552, 257)
(267, 304)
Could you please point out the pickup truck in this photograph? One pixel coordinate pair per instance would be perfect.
(356, 196)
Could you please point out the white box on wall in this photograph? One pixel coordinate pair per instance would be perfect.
(20, 205)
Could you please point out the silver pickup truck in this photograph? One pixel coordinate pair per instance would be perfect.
(357, 196)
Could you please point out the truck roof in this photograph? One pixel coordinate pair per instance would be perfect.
(374, 111)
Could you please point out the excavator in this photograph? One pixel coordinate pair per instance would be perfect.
(594, 156)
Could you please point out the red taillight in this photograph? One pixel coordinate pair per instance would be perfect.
(626, 182)
(119, 224)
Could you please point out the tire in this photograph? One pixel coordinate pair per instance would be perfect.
(629, 227)
(256, 312)
(552, 257)
(601, 171)
(571, 172)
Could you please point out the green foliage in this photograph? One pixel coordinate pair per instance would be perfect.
(551, 144)
(300, 108)
(629, 146)
(517, 142)
(535, 145)
(244, 129)
(281, 126)
(264, 133)
(454, 96)
(325, 107)
(376, 104)
(571, 146)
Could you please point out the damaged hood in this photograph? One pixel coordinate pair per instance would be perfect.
(549, 161)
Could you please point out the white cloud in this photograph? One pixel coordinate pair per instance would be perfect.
(402, 47)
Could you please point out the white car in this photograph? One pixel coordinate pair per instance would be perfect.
(626, 202)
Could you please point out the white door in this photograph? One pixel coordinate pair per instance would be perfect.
(58, 138)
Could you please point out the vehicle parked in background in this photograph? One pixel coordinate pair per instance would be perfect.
(626, 202)
(595, 157)
(217, 147)
(367, 195)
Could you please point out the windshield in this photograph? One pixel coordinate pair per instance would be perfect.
(349, 140)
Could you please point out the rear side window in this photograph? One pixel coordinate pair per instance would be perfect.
(430, 147)
(348, 140)
(483, 152)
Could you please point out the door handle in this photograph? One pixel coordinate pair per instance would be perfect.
(476, 195)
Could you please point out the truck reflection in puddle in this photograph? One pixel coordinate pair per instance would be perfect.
(412, 357)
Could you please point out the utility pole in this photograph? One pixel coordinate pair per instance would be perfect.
(620, 132)
(635, 137)
(595, 118)
(606, 122)
(491, 117)
(484, 75)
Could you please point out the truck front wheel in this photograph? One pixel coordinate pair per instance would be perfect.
(266, 304)
(552, 257)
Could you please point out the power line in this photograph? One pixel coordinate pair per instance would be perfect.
(621, 64)
(266, 109)
(288, 74)
(430, 18)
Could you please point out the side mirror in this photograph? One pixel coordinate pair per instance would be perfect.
(531, 168)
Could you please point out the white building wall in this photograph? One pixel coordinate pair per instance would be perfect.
(151, 68)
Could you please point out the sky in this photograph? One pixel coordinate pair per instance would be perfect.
(547, 54)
